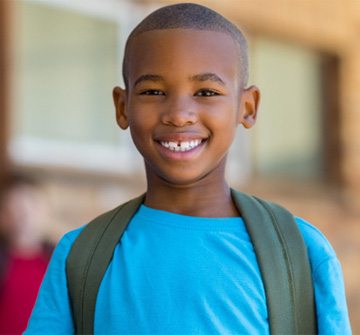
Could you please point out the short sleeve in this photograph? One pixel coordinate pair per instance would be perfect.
(331, 307)
(52, 308)
(330, 298)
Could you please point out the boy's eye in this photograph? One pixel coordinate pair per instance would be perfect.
(152, 92)
(207, 93)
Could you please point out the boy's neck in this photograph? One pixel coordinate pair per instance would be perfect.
(203, 200)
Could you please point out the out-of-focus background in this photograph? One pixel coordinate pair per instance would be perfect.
(60, 59)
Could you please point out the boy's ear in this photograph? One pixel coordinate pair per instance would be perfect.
(119, 96)
(249, 104)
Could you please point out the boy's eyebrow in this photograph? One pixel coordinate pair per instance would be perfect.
(208, 76)
(148, 77)
(197, 77)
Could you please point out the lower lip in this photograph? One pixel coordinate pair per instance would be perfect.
(181, 155)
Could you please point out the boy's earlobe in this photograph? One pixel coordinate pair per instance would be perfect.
(250, 99)
(119, 97)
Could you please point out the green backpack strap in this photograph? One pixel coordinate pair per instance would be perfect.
(284, 265)
(89, 258)
(278, 245)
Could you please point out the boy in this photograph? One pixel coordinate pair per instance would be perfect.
(185, 264)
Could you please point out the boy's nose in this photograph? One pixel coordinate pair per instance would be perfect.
(179, 112)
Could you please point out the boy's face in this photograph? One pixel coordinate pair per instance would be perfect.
(184, 102)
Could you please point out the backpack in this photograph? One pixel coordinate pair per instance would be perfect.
(278, 244)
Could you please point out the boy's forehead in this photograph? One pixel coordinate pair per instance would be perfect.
(168, 45)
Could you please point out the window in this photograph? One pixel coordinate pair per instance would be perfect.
(287, 140)
(68, 59)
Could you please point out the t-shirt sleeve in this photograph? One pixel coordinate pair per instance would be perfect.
(330, 298)
(331, 307)
(52, 311)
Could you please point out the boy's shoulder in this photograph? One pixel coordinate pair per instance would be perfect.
(311, 232)
(318, 246)
(67, 240)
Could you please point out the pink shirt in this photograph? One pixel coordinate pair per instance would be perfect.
(23, 276)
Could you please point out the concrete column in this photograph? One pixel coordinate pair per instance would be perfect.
(4, 85)
(350, 122)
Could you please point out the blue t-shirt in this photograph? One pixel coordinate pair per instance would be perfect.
(176, 274)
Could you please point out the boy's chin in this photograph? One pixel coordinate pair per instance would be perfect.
(179, 181)
(184, 179)
(187, 175)
(183, 183)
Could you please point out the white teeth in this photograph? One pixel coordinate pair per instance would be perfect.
(181, 146)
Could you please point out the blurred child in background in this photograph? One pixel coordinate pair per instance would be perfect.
(23, 255)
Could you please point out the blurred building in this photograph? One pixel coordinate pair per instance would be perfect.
(60, 59)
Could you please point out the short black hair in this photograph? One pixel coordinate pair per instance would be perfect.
(190, 16)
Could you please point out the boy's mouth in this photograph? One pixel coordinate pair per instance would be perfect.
(181, 145)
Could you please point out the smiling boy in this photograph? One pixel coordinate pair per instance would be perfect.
(185, 263)
(183, 101)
